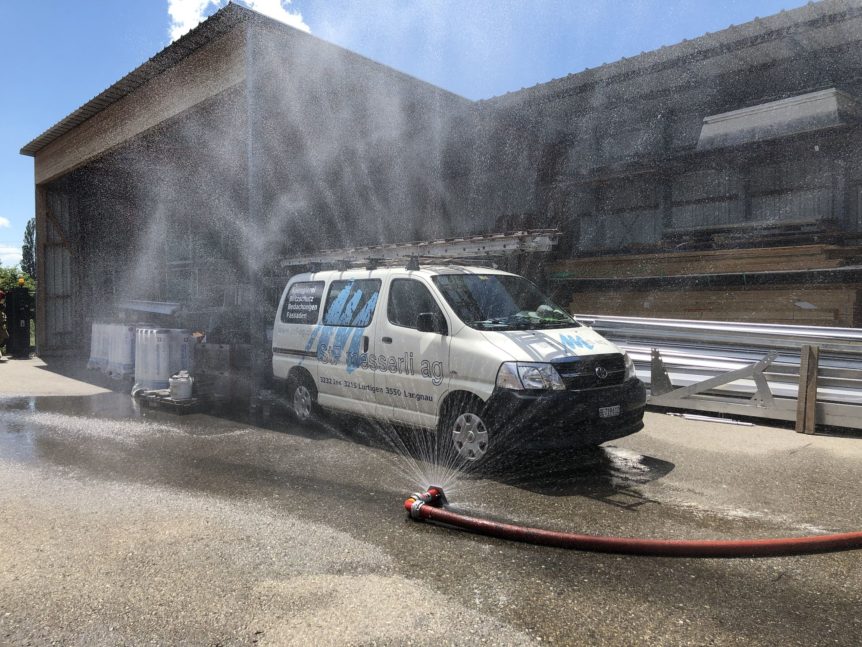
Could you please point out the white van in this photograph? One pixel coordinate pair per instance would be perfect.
(477, 355)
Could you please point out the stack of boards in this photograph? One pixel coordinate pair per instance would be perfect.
(803, 284)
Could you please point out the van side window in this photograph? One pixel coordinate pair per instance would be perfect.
(351, 303)
(302, 304)
(407, 299)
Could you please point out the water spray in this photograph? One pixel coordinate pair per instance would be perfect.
(431, 506)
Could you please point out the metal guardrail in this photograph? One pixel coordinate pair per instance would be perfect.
(744, 369)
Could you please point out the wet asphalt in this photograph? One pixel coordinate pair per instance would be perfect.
(124, 525)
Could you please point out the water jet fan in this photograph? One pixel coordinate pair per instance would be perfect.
(431, 506)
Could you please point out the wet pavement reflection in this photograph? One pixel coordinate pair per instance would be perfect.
(112, 436)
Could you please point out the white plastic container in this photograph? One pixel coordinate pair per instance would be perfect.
(121, 350)
(159, 354)
(181, 386)
(99, 347)
(112, 349)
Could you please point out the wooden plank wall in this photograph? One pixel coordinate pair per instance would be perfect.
(798, 303)
(724, 261)
(803, 306)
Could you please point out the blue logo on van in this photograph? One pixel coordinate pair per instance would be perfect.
(342, 328)
(574, 342)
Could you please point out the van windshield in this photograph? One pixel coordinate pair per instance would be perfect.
(500, 302)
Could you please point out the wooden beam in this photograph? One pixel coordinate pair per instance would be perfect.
(41, 242)
(806, 403)
(205, 73)
(49, 216)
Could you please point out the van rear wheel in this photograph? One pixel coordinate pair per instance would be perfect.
(466, 432)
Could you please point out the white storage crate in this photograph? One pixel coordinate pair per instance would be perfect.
(160, 353)
(112, 349)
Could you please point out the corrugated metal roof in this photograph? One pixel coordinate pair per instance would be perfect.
(217, 24)
(794, 22)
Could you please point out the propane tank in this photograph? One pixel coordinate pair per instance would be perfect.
(181, 386)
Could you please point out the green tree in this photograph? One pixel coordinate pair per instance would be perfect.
(28, 249)
(9, 278)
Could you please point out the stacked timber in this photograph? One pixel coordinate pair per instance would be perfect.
(812, 285)
(816, 306)
(724, 261)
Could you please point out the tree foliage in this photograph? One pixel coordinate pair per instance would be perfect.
(9, 278)
(28, 249)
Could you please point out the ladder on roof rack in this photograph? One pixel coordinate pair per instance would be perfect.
(468, 247)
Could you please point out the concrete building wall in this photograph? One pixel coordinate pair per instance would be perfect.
(346, 152)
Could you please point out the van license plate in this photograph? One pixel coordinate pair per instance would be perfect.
(609, 412)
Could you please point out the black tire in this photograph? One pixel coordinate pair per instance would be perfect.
(465, 433)
(302, 397)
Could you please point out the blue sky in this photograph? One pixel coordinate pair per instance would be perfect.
(57, 54)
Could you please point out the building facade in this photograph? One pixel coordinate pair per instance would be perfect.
(717, 178)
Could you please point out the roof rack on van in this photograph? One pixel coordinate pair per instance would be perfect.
(448, 250)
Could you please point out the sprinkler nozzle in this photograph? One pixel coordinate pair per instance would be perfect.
(437, 496)
(433, 496)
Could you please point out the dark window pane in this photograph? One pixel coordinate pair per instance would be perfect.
(500, 302)
(407, 299)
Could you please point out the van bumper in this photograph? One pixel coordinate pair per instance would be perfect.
(563, 419)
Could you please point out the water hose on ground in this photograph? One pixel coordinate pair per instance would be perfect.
(429, 506)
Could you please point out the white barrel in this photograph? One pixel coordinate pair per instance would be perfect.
(121, 350)
(99, 347)
(160, 353)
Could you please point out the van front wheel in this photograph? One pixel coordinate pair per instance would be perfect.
(466, 432)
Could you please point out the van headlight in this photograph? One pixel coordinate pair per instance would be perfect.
(519, 376)
(630, 367)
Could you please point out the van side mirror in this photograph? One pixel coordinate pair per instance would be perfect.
(432, 322)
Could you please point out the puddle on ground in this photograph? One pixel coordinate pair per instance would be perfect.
(114, 417)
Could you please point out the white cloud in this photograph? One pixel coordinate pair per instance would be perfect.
(187, 14)
(9, 255)
(4, 223)
(277, 9)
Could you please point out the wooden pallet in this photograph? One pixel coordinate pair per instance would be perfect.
(166, 403)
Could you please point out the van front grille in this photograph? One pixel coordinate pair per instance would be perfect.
(592, 372)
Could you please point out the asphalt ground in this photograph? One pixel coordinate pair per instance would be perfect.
(121, 525)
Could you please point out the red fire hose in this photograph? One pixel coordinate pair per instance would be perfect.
(428, 506)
